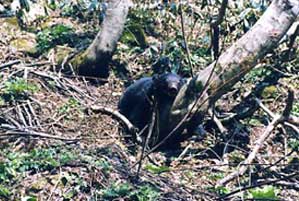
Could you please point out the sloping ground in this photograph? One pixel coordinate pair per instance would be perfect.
(64, 150)
(53, 147)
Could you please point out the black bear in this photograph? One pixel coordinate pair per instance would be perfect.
(137, 102)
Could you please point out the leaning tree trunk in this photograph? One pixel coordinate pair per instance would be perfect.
(95, 60)
(209, 85)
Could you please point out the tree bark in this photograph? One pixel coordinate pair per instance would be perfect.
(234, 63)
(95, 60)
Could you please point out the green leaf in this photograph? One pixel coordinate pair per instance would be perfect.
(267, 192)
(56, 35)
(116, 191)
(145, 193)
(70, 194)
(4, 192)
(157, 169)
(18, 88)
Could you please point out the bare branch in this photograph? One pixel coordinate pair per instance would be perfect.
(260, 142)
(132, 129)
(237, 60)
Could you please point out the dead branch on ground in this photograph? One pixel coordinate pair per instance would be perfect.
(278, 119)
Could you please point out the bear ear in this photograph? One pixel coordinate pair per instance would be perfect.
(162, 65)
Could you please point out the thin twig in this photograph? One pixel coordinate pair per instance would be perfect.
(278, 161)
(9, 64)
(185, 40)
(288, 122)
(227, 196)
(184, 152)
(258, 144)
(220, 126)
(55, 186)
(147, 139)
(13, 131)
(131, 128)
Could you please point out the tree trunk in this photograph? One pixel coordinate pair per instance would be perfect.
(234, 63)
(95, 60)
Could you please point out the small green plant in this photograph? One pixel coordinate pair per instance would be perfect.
(256, 74)
(144, 20)
(56, 35)
(267, 192)
(157, 169)
(70, 104)
(270, 92)
(175, 52)
(236, 156)
(254, 121)
(295, 109)
(35, 160)
(221, 190)
(71, 109)
(294, 144)
(134, 36)
(105, 165)
(75, 183)
(18, 88)
(215, 175)
(4, 192)
(145, 193)
(2, 101)
(116, 191)
(69, 194)
(52, 4)
(74, 9)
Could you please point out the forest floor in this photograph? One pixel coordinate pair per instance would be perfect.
(53, 146)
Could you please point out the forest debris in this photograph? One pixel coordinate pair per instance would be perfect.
(25, 132)
(289, 121)
(276, 181)
(131, 128)
(278, 119)
(219, 124)
(9, 64)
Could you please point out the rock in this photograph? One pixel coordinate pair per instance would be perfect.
(36, 10)
(25, 43)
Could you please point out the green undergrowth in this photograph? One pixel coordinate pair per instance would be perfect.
(17, 89)
(57, 167)
(125, 190)
(16, 166)
(55, 35)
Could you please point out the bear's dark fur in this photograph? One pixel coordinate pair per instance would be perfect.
(137, 102)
